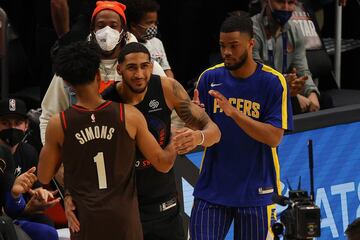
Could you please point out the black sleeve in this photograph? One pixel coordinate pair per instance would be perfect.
(111, 94)
(7, 169)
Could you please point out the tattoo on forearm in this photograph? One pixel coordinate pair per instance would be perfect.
(194, 120)
(179, 91)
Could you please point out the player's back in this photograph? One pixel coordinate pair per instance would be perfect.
(98, 156)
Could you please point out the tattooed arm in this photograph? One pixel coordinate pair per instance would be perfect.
(201, 129)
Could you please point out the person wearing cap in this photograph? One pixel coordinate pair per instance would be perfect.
(15, 188)
(28, 210)
(108, 30)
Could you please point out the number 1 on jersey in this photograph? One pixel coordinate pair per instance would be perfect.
(100, 166)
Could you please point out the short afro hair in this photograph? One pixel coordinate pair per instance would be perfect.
(238, 21)
(133, 47)
(78, 62)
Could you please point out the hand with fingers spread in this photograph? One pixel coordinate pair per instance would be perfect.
(223, 102)
(23, 183)
(186, 139)
(196, 99)
(41, 199)
(70, 208)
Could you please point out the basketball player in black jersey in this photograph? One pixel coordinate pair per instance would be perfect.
(156, 97)
(95, 140)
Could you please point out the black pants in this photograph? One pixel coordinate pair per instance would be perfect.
(165, 225)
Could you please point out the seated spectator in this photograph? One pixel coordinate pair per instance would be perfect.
(26, 209)
(142, 18)
(353, 230)
(6, 184)
(280, 44)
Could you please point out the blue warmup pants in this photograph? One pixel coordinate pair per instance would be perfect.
(212, 222)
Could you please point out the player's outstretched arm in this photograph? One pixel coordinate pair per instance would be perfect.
(193, 115)
(50, 161)
(262, 132)
(162, 159)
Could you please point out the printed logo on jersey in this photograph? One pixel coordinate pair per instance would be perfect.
(215, 84)
(143, 163)
(2, 165)
(93, 118)
(12, 105)
(154, 104)
(249, 108)
(158, 129)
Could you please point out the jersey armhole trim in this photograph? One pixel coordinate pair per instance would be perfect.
(63, 120)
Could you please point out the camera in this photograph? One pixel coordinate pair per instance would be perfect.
(301, 219)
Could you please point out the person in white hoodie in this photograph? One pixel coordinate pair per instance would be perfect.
(108, 29)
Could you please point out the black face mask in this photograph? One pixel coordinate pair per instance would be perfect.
(281, 16)
(12, 136)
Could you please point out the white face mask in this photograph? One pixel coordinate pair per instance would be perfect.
(107, 38)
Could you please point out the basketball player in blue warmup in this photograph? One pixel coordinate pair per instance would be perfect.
(250, 103)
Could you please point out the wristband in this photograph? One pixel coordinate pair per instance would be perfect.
(202, 138)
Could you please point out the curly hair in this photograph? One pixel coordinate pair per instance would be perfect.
(78, 62)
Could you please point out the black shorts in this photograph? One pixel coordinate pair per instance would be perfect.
(162, 224)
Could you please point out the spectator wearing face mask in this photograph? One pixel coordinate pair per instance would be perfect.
(108, 30)
(27, 209)
(280, 44)
(142, 16)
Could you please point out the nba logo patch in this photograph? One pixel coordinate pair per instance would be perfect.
(93, 118)
(12, 105)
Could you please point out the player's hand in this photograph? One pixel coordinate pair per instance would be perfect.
(40, 200)
(196, 99)
(186, 139)
(23, 183)
(223, 103)
(70, 207)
